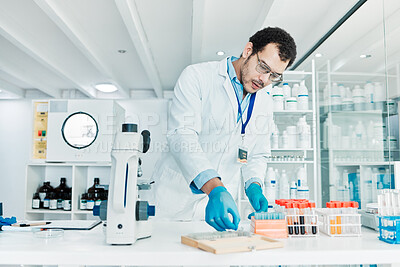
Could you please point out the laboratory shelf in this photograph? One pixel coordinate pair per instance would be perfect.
(292, 149)
(364, 163)
(291, 162)
(57, 164)
(293, 112)
(367, 74)
(83, 212)
(362, 149)
(42, 211)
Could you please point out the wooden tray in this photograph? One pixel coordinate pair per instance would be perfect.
(232, 244)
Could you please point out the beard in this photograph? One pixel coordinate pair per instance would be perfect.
(246, 81)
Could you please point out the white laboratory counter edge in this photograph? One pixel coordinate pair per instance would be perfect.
(165, 249)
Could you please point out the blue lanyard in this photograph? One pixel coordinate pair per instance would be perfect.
(249, 111)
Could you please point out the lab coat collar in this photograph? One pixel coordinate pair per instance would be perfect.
(223, 71)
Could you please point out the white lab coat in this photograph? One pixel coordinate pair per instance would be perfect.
(203, 133)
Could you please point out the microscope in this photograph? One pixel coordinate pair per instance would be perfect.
(127, 216)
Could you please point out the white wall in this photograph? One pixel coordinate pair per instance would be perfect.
(15, 142)
(16, 135)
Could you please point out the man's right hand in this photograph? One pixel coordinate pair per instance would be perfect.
(220, 204)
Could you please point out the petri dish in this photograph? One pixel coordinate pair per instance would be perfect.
(49, 233)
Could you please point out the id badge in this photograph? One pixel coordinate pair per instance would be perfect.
(242, 154)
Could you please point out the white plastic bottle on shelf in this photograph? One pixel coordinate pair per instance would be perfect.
(287, 91)
(284, 189)
(303, 192)
(379, 96)
(303, 133)
(336, 135)
(346, 191)
(336, 100)
(285, 140)
(392, 142)
(270, 185)
(375, 174)
(342, 90)
(379, 129)
(277, 96)
(301, 177)
(291, 103)
(278, 102)
(302, 97)
(369, 96)
(326, 96)
(293, 190)
(292, 134)
(371, 139)
(275, 138)
(358, 98)
(325, 133)
(343, 183)
(353, 137)
(360, 135)
(277, 182)
(367, 185)
(348, 92)
(295, 90)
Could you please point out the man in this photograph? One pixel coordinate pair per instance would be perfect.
(219, 131)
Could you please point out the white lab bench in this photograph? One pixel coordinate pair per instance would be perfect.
(164, 248)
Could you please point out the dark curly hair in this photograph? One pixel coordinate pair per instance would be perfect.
(285, 42)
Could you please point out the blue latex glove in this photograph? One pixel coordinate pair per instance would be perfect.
(256, 198)
(7, 221)
(220, 203)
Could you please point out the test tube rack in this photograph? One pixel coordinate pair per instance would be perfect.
(301, 219)
(302, 225)
(389, 229)
(270, 224)
(335, 223)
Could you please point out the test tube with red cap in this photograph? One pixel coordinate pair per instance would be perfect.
(302, 210)
(313, 220)
(331, 217)
(290, 218)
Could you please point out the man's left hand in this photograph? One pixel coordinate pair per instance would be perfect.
(257, 198)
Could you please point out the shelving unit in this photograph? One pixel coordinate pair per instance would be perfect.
(79, 177)
(290, 118)
(337, 157)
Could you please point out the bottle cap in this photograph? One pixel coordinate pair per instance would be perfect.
(354, 204)
(303, 205)
(329, 205)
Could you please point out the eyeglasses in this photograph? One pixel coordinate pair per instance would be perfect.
(265, 69)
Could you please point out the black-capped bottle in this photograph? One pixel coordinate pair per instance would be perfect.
(46, 201)
(67, 201)
(83, 202)
(53, 201)
(43, 191)
(60, 191)
(90, 201)
(96, 190)
(36, 201)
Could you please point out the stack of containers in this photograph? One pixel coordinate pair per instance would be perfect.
(300, 216)
(340, 218)
(271, 224)
(389, 215)
(286, 98)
